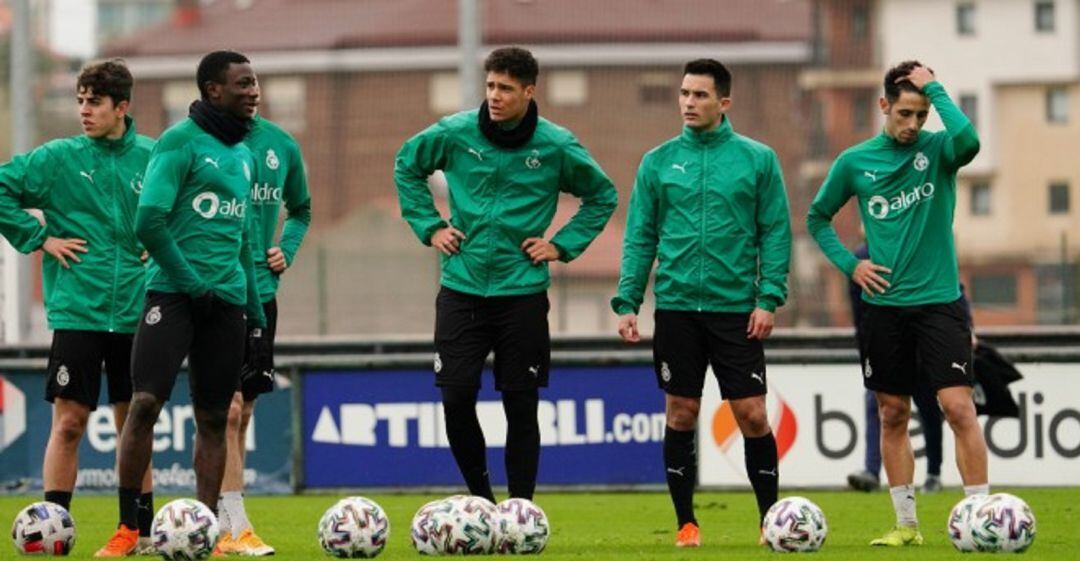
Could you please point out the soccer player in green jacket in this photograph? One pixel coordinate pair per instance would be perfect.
(505, 166)
(88, 187)
(710, 206)
(193, 219)
(914, 327)
(279, 180)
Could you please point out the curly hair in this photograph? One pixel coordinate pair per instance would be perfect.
(109, 78)
(515, 61)
(893, 89)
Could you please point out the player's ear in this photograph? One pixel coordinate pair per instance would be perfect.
(884, 104)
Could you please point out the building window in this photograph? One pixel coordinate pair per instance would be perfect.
(993, 289)
(861, 111)
(1056, 293)
(859, 23)
(819, 141)
(286, 101)
(969, 104)
(176, 98)
(980, 199)
(567, 88)
(657, 89)
(1059, 198)
(1044, 16)
(965, 18)
(444, 93)
(1057, 105)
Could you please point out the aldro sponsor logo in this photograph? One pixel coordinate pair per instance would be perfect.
(879, 207)
(262, 193)
(208, 205)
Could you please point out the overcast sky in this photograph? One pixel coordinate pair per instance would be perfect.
(71, 27)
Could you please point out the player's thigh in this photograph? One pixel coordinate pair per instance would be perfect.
(522, 341)
(680, 353)
(162, 340)
(738, 362)
(888, 350)
(463, 339)
(74, 368)
(217, 354)
(118, 365)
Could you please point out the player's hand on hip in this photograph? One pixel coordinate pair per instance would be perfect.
(447, 240)
(919, 76)
(539, 250)
(628, 329)
(760, 324)
(867, 276)
(63, 249)
(275, 259)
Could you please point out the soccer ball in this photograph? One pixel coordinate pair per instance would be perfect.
(457, 525)
(183, 530)
(355, 527)
(959, 526)
(521, 527)
(43, 529)
(795, 524)
(1003, 522)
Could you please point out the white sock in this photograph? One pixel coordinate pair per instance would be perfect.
(234, 504)
(223, 516)
(903, 501)
(970, 490)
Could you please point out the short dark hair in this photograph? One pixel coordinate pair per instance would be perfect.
(107, 78)
(213, 66)
(515, 61)
(707, 66)
(893, 88)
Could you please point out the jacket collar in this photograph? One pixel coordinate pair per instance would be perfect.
(127, 140)
(714, 136)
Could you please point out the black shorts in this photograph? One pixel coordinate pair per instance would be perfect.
(253, 390)
(75, 366)
(212, 339)
(685, 343)
(468, 327)
(904, 347)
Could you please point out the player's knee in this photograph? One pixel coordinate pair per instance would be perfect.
(458, 401)
(143, 410)
(755, 423)
(894, 416)
(682, 414)
(235, 417)
(69, 428)
(212, 421)
(959, 413)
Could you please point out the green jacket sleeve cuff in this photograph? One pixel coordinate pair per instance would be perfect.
(767, 304)
(622, 307)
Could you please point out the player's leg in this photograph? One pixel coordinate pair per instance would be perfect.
(868, 478)
(679, 360)
(161, 341)
(945, 356)
(232, 481)
(739, 366)
(118, 371)
(74, 382)
(522, 362)
(217, 354)
(890, 371)
(931, 422)
(462, 343)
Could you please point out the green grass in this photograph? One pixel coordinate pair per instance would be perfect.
(621, 526)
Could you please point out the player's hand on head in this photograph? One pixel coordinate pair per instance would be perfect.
(539, 250)
(63, 249)
(447, 240)
(868, 276)
(760, 325)
(275, 259)
(628, 328)
(920, 76)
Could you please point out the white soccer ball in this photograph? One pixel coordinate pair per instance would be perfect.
(521, 527)
(959, 526)
(1002, 522)
(457, 525)
(184, 529)
(795, 524)
(43, 529)
(355, 527)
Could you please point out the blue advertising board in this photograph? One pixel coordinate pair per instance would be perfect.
(26, 419)
(601, 426)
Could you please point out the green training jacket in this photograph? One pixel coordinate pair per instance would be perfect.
(193, 218)
(88, 189)
(279, 178)
(498, 198)
(907, 197)
(711, 209)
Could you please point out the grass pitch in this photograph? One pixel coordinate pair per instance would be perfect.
(625, 526)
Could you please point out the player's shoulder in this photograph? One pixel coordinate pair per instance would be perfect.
(178, 136)
(552, 133)
(859, 150)
(459, 122)
(756, 149)
(669, 147)
(144, 143)
(271, 130)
